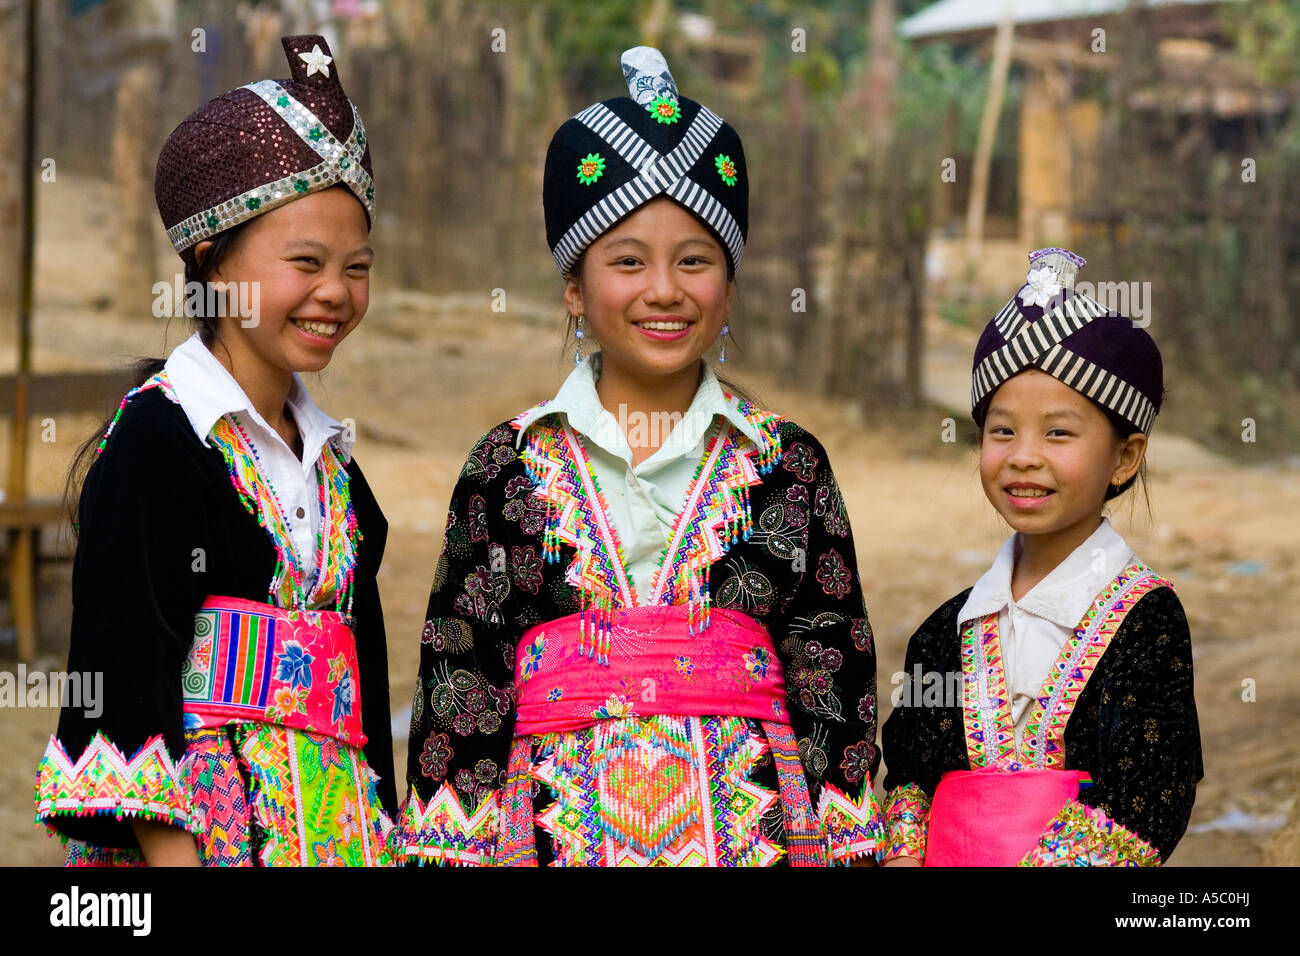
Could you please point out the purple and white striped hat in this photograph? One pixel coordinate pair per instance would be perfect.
(1050, 326)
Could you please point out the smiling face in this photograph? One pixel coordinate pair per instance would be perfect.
(654, 290)
(1047, 455)
(311, 261)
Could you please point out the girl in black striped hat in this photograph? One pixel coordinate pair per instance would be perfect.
(1071, 736)
(647, 641)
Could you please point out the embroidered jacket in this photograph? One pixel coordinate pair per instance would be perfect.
(763, 531)
(1118, 705)
(161, 529)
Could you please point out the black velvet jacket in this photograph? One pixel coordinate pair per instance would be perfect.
(797, 574)
(1133, 728)
(161, 528)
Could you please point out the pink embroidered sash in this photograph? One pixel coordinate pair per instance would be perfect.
(258, 662)
(993, 817)
(656, 666)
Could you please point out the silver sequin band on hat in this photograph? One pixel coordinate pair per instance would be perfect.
(340, 163)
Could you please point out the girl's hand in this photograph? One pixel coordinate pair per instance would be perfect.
(903, 861)
(165, 845)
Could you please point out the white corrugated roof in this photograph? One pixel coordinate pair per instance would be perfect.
(957, 16)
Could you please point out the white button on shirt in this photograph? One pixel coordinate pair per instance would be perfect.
(644, 500)
(1034, 629)
(207, 391)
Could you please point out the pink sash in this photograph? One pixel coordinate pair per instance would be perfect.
(656, 666)
(992, 817)
(258, 662)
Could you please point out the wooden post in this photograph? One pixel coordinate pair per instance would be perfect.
(22, 560)
(135, 121)
(988, 132)
(13, 95)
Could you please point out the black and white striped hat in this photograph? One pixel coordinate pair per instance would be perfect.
(1048, 325)
(616, 156)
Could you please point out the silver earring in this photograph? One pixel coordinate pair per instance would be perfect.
(726, 330)
(579, 335)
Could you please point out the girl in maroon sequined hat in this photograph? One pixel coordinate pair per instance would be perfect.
(225, 578)
(261, 146)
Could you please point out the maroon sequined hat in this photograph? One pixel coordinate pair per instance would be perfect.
(1050, 325)
(263, 145)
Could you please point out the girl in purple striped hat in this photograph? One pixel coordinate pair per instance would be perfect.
(1067, 734)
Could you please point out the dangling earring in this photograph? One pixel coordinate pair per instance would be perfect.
(579, 335)
(726, 330)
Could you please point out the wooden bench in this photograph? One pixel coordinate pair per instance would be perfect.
(23, 397)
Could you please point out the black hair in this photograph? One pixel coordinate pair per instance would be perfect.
(197, 269)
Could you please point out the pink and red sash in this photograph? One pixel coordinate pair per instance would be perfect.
(658, 664)
(992, 816)
(257, 662)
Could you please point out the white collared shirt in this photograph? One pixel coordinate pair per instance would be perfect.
(644, 500)
(1034, 629)
(207, 391)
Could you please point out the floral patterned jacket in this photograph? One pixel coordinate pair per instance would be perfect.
(794, 570)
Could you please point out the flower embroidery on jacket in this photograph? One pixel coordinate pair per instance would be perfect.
(857, 761)
(527, 568)
(861, 633)
(799, 458)
(477, 518)
(833, 574)
(433, 759)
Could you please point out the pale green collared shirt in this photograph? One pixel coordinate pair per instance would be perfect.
(643, 500)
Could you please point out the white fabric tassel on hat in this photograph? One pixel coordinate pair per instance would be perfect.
(646, 72)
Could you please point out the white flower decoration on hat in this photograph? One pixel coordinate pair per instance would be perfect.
(317, 60)
(1041, 287)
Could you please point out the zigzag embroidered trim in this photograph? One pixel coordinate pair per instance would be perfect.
(989, 729)
(1081, 835)
(441, 832)
(854, 828)
(907, 821)
(1051, 710)
(103, 782)
(717, 515)
(558, 466)
(158, 381)
(337, 540)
